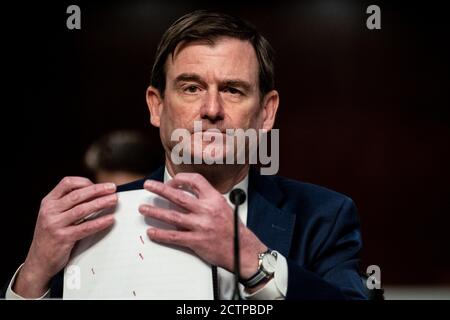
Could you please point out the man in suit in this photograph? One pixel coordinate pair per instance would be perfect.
(297, 241)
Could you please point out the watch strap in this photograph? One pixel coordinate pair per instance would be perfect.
(255, 279)
(259, 276)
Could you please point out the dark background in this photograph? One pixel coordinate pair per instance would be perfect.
(363, 112)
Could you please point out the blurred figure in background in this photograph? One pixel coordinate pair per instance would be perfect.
(121, 156)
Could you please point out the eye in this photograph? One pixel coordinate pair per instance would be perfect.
(191, 89)
(232, 90)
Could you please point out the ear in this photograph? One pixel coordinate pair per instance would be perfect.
(155, 105)
(270, 107)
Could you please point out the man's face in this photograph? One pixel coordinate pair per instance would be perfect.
(215, 84)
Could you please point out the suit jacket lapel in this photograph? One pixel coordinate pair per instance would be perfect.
(157, 175)
(273, 226)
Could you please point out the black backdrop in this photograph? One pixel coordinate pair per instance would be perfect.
(362, 112)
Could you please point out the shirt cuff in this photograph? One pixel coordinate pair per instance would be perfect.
(276, 288)
(11, 295)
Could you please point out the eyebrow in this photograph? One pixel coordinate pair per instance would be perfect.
(189, 77)
(244, 85)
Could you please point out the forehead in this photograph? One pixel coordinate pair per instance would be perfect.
(224, 58)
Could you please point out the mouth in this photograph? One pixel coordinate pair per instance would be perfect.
(214, 131)
(212, 134)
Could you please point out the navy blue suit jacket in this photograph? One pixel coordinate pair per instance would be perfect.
(316, 229)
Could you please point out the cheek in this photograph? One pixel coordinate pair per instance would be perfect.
(170, 115)
(246, 117)
(175, 115)
(168, 124)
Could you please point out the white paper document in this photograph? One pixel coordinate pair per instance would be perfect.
(123, 263)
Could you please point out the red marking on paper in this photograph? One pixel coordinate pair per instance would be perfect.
(140, 255)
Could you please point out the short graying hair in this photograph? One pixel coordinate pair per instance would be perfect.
(208, 26)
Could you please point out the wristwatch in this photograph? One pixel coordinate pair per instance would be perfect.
(267, 262)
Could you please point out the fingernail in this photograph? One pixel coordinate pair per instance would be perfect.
(110, 186)
(111, 219)
(111, 199)
(143, 209)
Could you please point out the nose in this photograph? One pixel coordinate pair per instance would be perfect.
(212, 108)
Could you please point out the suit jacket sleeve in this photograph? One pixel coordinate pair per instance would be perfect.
(333, 269)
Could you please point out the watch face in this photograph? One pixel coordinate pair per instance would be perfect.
(268, 263)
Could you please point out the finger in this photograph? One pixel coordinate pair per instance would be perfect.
(180, 220)
(176, 196)
(90, 227)
(83, 210)
(84, 194)
(192, 181)
(179, 238)
(66, 185)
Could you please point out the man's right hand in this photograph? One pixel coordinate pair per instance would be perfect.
(57, 230)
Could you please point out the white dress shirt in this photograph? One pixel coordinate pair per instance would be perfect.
(275, 289)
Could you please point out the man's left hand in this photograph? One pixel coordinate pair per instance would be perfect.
(207, 226)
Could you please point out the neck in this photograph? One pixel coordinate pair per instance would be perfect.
(221, 177)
